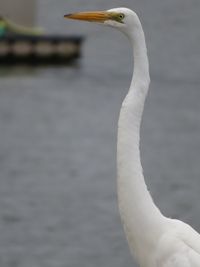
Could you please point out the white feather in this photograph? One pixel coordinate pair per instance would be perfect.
(154, 240)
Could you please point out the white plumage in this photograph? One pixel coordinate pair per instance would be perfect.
(154, 240)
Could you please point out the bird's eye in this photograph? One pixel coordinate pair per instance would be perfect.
(121, 16)
(118, 17)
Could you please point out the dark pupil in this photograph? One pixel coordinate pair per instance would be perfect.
(121, 16)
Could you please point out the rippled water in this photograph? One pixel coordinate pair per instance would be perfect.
(58, 137)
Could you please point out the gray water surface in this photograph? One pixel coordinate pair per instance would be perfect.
(58, 203)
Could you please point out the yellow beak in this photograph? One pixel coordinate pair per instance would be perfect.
(94, 16)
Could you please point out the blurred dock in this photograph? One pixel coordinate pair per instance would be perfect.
(17, 49)
(21, 42)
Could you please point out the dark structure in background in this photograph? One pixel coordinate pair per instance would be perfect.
(20, 42)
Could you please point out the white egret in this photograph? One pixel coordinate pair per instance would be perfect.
(154, 240)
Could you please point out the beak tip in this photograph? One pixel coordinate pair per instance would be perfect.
(67, 15)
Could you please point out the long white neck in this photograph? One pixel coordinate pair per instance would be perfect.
(141, 218)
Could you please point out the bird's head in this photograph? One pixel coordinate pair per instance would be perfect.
(123, 19)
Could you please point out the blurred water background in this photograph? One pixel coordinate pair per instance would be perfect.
(58, 204)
